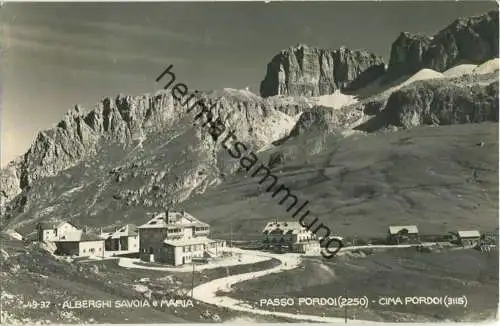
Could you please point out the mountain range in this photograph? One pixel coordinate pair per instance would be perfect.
(369, 143)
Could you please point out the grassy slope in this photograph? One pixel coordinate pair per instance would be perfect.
(85, 193)
(361, 184)
(30, 273)
(357, 185)
(401, 272)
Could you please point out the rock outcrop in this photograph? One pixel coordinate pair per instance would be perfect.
(326, 119)
(309, 71)
(439, 102)
(146, 152)
(470, 98)
(466, 40)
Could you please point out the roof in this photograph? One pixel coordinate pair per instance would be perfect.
(89, 237)
(283, 227)
(412, 229)
(132, 229)
(125, 231)
(469, 234)
(71, 237)
(79, 236)
(174, 220)
(187, 242)
(63, 222)
(55, 225)
(106, 235)
(46, 225)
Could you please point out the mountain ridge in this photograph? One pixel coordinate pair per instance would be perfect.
(126, 121)
(466, 40)
(146, 152)
(304, 70)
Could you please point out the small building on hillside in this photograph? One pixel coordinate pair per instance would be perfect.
(46, 231)
(70, 240)
(80, 244)
(55, 231)
(125, 238)
(403, 234)
(185, 251)
(176, 238)
(289, 236)
(468, 238)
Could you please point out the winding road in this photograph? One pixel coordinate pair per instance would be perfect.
(245, 259)
(207, 292)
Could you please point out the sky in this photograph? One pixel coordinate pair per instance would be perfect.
(56, 55)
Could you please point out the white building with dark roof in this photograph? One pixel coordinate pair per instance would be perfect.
(80, 244)
(403, 234)
(125, 238)
(177, 238)
(183, 251)
(468, 238)
(70, 240)
(50, 232)
(289, 236)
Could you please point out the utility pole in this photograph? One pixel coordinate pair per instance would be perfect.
(192, 282)
(231, 234)
(345, 306)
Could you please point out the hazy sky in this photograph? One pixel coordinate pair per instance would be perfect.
(56, 55)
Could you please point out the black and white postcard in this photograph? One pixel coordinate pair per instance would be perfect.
(249, 162)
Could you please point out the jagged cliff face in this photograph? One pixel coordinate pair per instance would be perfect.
(443, 103)
(133, 155)
(407, 54)
(327, 119)
(140, 151)
(308, 71)
(473, 40)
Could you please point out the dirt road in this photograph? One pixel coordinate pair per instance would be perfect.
(227, 262)
(207, 292)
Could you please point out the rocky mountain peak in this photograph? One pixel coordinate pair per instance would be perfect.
(310, 71)
(129, 120)
(300, 46)
(140, 151)
(466, 40)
